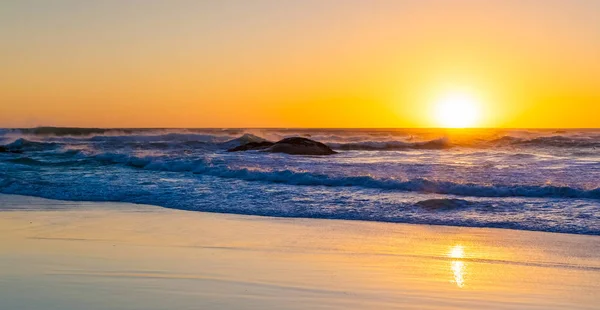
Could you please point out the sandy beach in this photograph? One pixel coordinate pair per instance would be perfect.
(81, 255)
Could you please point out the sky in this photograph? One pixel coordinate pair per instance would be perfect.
(310, 63)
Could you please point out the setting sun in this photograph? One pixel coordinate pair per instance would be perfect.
(457, 110)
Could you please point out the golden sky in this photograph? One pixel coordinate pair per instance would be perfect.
(310, 63)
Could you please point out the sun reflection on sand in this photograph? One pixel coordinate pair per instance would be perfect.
(457, 266)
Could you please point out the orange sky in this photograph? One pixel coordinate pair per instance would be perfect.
(335, 63)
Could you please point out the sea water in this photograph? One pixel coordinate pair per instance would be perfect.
(546, 180)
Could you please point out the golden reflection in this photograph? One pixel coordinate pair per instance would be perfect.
(458, 269)
(457, 251)
(457, 266)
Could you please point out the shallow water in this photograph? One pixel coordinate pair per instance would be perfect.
(546, 180)
(85, 255)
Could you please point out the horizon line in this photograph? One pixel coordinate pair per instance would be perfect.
(363, 128)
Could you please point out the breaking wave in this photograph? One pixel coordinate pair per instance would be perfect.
(437, 144)
(22, 144)
(75, 131)
(551, 141)
(206, 167)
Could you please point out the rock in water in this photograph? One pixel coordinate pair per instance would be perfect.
(444, 204)
(300, 146)
(293, 146)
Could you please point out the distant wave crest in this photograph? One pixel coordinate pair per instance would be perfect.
(441, 143)
(552, 141)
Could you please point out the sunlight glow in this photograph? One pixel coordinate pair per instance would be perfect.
(457, 110)
(457, 251)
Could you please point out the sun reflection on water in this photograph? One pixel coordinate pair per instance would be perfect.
(457, 266)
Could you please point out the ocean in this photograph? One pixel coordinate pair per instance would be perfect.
(527, 179)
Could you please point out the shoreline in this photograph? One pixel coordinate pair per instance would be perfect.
(73, 255)
(283, 216)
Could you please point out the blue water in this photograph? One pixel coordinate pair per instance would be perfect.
(547, 180)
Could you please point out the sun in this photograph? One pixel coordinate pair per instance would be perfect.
(457, 110)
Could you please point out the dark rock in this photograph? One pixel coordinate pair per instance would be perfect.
(300, 146)
(293, 146)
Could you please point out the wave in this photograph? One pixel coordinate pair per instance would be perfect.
(576, 216)
(157, 142)
(291, 177)
(22, 144)
(168, 137)
(78, 131)
(34, 162)
(415, 185)
(552, 141)
(71, 131)
(339, 140)
(585, 154)
(437, 144)
(244, 139)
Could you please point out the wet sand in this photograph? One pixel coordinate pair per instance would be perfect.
(83, 255)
